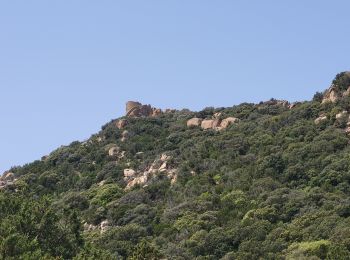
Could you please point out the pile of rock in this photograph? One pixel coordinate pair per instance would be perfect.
(159, 166)
(216, 123)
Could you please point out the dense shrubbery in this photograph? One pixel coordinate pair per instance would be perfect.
(274, 186)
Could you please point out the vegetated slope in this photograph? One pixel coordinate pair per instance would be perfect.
(275, 185)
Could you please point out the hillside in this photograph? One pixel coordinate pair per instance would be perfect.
(252, 181)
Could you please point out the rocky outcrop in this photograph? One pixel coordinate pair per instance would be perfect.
(216, 123)
(125, 135)
(129, 173)
(113, 151)
(194, 122)
(7, 179)
(342, 114)
(228, 121)
(210, 124)
(331, 95)
(159, 166)
(122, 123)
(320, 119)
(136, 109)
(102, 227)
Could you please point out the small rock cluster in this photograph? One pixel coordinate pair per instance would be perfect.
(216, 123)
(115, 151)
(7, 179)
(341, 115)
(159, 166)
(103, 226)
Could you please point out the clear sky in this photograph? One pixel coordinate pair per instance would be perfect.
(67, 67)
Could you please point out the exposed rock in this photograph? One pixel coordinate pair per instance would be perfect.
(89, 227)
(156, 112)
(342, 114)
(137, 181)
(320, 119)
(163, 167)
(122, 123)
(104, 226)
(158, 166)
(217, 115)
(331, 95)
(139, 154)
(228, 121)
(274, 102)
(113, 151)
(121, 155)
(164, 157)
(128, 173)
(347, 92)
(101, 183)
(136, 109)
(125, 135)
(210, 124)
(8, 176)
(194, 122)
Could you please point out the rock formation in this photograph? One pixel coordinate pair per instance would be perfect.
(136, 109)
(8, 178)
(122, 123)
(228, 121)
(340, 88)
(331, 95)
(159, 166)
(342, 114)
(215, 123)
(194, 122)
(210, 123)
(125, 135)
(320, 119)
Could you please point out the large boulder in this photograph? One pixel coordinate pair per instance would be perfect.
(228, 121)
(320, 119)
(194, 122)
(125, 135)
(342, 114)
(207, 124)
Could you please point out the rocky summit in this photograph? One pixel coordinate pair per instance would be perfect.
(253, 181)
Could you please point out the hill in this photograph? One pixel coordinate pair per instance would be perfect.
(252, 181)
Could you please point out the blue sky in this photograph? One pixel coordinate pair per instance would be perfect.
(68, 67)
